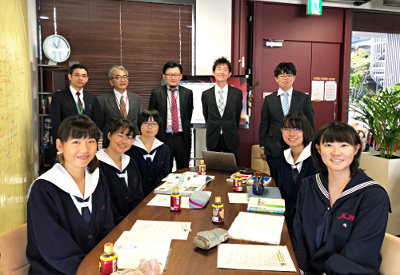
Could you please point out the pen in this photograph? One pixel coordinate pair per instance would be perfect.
(280, 257)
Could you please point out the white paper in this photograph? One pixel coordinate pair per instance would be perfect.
(131, 248)
(238, 198)
(165, 201)
(317, 90)
(254, 227)
(330, 90)
(255, 257)
(175, 230)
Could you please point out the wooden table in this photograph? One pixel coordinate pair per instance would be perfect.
(184, 258)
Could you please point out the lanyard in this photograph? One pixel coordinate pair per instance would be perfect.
(80, 111)
(119, 106)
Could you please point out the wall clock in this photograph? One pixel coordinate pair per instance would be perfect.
(56, 48)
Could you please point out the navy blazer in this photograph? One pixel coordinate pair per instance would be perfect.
(229, 122)
(158, 101)
(272, 117)
(63, 105)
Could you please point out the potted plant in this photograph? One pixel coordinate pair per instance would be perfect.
(380, 111)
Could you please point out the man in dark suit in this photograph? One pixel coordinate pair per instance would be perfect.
(222, 105)
(276, 106)
(75, 101)
(175, 105)
(119, 103)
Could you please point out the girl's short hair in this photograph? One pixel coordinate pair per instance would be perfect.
(122, 123)
(80, 126)
(339, 132)
(146, 114)
(301, 122)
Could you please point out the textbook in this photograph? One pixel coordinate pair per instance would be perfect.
(186, 183)
(266, 205)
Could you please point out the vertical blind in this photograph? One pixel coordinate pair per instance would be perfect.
(141, 36)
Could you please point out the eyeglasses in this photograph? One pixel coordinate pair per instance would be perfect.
(282, 76)
(173, 75)
(150, 123)
(294, 130)
(80, 75)
(119, 77)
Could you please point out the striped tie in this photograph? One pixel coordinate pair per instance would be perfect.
(285, 103)
(221, 105)
(174, 112)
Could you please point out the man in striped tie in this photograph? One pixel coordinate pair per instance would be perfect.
(276, 107)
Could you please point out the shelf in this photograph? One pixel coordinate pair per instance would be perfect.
(44, 115)
(45, 93)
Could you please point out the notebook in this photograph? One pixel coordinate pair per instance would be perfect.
(220, 161)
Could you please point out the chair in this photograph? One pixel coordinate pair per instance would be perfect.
(390, 255)
(13, 251)
(257, 163)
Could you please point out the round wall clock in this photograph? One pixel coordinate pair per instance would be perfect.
(56, 48)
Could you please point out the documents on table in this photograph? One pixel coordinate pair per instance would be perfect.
(255, 257)
(187, 183)
(257, 227)
(238, 198)
(165, 201)
(175, 230)
(131, 248)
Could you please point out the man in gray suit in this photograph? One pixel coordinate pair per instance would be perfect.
(276, 107)
(119, 102)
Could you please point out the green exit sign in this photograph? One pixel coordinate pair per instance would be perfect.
(314, 7)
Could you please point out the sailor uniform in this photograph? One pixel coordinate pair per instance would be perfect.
(290, 177)
(345, 238)
(125, 185)
(58, 236)
(154, 165)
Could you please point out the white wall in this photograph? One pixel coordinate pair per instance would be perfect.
(213, 33)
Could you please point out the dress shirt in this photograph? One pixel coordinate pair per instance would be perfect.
(290, 91)
(75, 96)
(126, 99)
(169, 109)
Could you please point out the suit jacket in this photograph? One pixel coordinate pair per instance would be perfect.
(63, 105)
(112, 112)
(229, 122)
(158, 101)
(272, 117)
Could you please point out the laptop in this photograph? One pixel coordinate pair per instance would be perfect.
(220, 161)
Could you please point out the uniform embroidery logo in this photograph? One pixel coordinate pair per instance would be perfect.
(346, 217)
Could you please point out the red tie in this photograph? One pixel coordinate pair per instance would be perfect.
(174, 112)
(79, 101)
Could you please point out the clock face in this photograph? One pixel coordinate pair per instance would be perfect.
(56, 48)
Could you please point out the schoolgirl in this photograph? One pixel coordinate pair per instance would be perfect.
(69, 208)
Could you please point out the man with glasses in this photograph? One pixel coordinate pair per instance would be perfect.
(175, 105)
(276, 107)
(119, 103)
(75, 101)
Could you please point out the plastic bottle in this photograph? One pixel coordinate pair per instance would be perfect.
(108, 260)
(202, 168)
(237, 183)
(217, 211)
(175, 200)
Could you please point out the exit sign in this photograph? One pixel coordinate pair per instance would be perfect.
(314, 7)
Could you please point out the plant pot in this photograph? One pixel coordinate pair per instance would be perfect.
(387, 173)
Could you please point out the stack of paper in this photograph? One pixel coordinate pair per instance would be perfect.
(187, 183)
(266, 205)
(257, 227)
(255, 257)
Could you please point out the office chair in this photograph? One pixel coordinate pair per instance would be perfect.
(390, 255)
(13, 251)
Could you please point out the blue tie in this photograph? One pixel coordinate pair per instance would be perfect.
(285, 103)
(85, 210)
(295, 173)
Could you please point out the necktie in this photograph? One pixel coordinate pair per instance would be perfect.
(221, 105)
(79, 102)
(174, 112)
(122, 106)
(295, 173)
(85, 209)
(285, 103)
